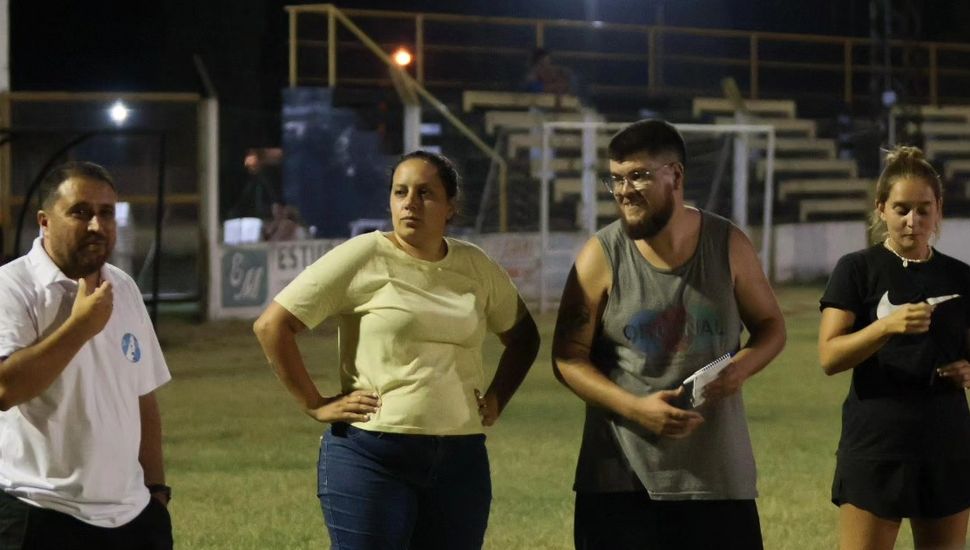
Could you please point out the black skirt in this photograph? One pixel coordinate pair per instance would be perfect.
(894, 489)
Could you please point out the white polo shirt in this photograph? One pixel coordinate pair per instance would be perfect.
(74, 447)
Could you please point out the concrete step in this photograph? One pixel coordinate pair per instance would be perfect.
(810, 146)
(604, 209)
(946, 129)
(565, 187)
(784, 127)
(782, 108)
(811, 207)
(526, 120)
(827, 186)
(935, 148)
(558, 140)
(799, 147)
(935, 113)
(953, 167)
(839, 167)
(573, 187)
(472, 99)
(560, 165)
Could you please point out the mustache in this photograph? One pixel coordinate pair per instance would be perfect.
(94, 240)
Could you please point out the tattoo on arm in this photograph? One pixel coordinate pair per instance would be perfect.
(572, 318)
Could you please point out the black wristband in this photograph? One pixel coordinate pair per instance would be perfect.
(160, 488)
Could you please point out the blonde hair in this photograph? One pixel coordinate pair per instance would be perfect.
(902, 162)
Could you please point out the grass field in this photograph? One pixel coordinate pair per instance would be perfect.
(241, 457)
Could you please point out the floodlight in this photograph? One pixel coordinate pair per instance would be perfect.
(119, 112)
(402, 57)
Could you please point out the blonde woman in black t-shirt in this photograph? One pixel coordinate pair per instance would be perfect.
(897, 315)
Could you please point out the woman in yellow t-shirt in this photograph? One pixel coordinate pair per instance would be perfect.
(404, 462)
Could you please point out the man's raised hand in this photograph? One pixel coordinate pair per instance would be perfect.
(92, 309)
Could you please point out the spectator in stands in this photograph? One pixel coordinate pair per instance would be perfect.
(897, 314)
(80, 432)
(284, 225)
(544, 76)
(403, 464)
(262, 187)
(651, 299)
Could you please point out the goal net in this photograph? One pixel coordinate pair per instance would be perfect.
(731, 173)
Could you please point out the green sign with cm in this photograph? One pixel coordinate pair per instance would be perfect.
(244, 277)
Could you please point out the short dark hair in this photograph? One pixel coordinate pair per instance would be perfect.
(652, 136)
(47, 190)
(446, 170)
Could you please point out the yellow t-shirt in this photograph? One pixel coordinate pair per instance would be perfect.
(409, 329)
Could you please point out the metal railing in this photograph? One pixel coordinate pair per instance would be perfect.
(335, 15)
(660, 60)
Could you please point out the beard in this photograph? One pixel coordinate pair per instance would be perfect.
(650, 226)
(82, 267)
(83, 262)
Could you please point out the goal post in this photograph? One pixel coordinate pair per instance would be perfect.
(591, 162)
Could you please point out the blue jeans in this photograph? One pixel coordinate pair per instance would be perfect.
(382, 490)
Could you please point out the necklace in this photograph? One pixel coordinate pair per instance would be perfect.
(907, 261)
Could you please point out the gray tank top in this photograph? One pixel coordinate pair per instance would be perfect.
(659, 327)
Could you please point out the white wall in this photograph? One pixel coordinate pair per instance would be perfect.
(955, 239)
(247, 277)
(809, 251)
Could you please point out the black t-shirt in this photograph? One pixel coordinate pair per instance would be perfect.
(897, 408)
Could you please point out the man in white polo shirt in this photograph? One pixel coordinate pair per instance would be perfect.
(80, 429)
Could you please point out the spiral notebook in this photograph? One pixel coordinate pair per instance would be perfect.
(695, 383)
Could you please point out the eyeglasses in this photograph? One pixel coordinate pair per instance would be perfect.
(640, 179)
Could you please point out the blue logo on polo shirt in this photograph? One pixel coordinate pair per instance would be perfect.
(129, 346)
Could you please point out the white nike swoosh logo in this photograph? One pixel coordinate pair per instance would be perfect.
(886, 308)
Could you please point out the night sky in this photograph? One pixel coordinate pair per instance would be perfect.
(149, 45)
(136, 45)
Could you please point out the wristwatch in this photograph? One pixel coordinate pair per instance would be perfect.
(161, 489)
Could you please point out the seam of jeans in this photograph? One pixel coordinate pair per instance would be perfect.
(27, 526)
(322, 471)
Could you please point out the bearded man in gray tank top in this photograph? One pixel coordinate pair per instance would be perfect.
(651, 299)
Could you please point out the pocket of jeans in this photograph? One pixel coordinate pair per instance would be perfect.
(392, 451)
(159, 525)
(9, 501)
(161, 510)
(357, 434)
(14, 517)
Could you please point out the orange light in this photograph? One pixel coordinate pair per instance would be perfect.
(402, 57)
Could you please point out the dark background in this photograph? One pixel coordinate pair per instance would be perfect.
(149, 46)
